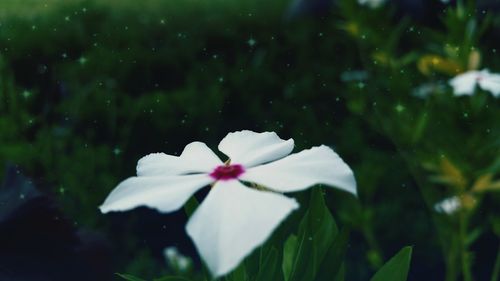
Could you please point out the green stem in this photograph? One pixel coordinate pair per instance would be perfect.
(495, 275)
(374, 247)
(451, 260)
(464, 254)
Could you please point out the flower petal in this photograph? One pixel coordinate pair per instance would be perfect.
(166, 194)
(491, 83)
(250, 148)
(195, 158)
(465, 84)
(234, 220)
(318, 165)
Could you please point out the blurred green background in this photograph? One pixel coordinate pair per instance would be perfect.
(88, 87)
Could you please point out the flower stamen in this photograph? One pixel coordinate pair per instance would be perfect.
(227, 172)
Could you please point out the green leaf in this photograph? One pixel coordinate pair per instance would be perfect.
(316, 233)
(191, 206)
(260, 259)
(341, 274)
(495, 225)
(238, 274)
(396, 269)
(289, 255)
(270, 267)
(332, 263)
(129, 277)
(172, 278)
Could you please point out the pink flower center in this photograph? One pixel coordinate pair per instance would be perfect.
(227, 172)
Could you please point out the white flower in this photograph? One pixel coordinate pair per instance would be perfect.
(373, 4)
(183, 263)
(170, 253)
(427, 89)
(176, 259)
(354, 76)
(234, 218)
(448, 206)
(465, 83)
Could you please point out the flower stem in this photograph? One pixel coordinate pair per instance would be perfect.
(452, 259)
(464, 254)
(377, 258)
(495, 275)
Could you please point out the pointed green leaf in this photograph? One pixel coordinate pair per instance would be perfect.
(172, 278)
(191, 206)
(341, 274)
(334, 258)
(238, 274)
(316, 233)
(270, 267)
(396, 269)
(289, 255)
(129, 277)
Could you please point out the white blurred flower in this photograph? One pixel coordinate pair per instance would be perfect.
(234, 218)
(354, 76)
(183, 263)
(170, 253)
(372, 3)
(176, 259)
(448, 206)
(465, 83)
(427, 89)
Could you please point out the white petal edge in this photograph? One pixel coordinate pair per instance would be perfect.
(195, 158)
(165, 194)
(234, 220)
(298, 171)
(249, 148)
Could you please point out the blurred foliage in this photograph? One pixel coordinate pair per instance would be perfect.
(87, 87)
